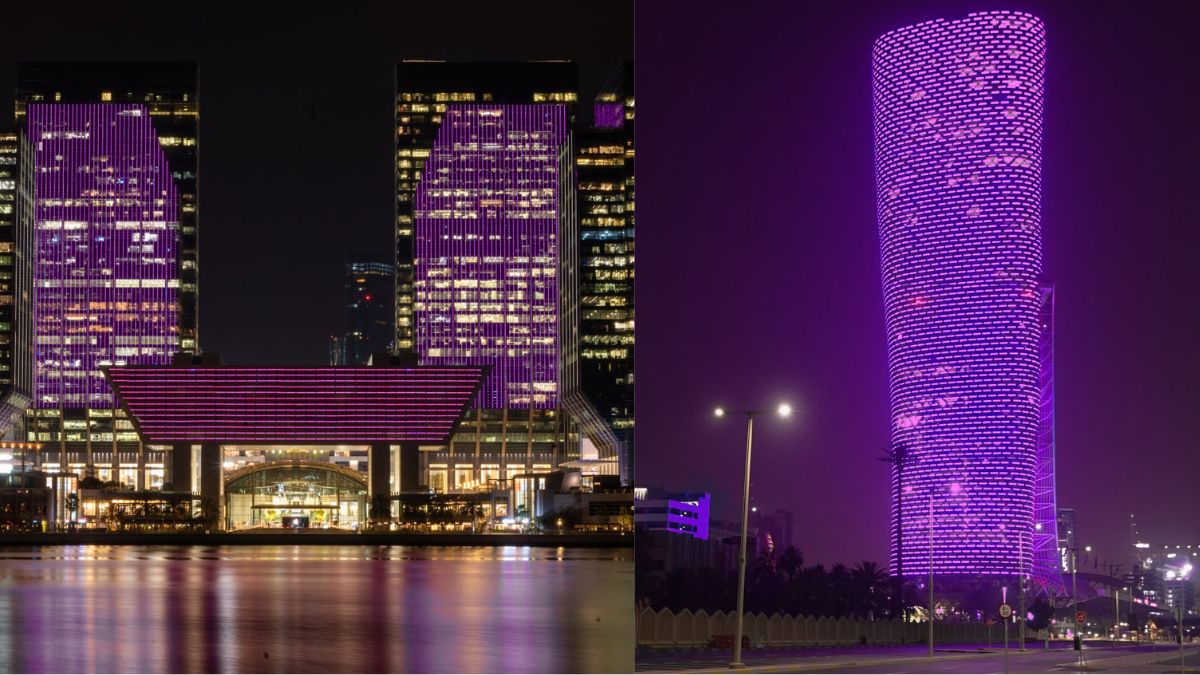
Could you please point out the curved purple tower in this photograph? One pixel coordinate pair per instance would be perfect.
(958, 136)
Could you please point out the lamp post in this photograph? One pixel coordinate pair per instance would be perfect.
(931, 572)
(1075, 601)
(955, 489)
(784, 410)
(1021, 580)
(1116, 615)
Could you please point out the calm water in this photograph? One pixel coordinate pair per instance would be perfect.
(315, 608)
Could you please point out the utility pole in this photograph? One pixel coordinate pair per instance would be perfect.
(1179, 626)
(1116, 615)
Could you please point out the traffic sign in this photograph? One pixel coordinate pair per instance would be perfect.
(1080, 616)
(1005, 611)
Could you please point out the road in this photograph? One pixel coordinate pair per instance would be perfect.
(1162, 658)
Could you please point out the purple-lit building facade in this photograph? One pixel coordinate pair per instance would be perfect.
(521, 425)
(958, 136)
(487, 237)
(105, 249)
(300, 418)
(110, 168)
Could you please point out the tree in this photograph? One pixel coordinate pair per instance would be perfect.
(381, 509)
(867, 584)
(1042, 612)
(899, 456)
(210, 513)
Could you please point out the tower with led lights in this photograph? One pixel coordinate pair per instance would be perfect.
(958, 136)
(110, 168)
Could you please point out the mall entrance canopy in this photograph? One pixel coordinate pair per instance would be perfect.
(324, 495)
(196, 409)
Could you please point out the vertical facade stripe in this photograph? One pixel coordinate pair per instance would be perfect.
(106, 229)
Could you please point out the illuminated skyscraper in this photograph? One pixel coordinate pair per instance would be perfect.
(112, 176)
(599, 271)
(14, 278)
(369, 311)
(487, 211)
(484, 199)
(424, 91)
(958, 133)
(169, 93)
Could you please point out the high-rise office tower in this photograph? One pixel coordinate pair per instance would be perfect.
(599, 269)
(484, 199)
(14, 279)
(370, 294)
(958, 135)
(113, 176)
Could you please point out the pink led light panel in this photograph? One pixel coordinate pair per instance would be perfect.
(106, 229)
(296, 405)
(958, 135)
(486, 259)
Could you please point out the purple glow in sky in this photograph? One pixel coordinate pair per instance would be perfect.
(958, 134)
(486, 242)
(106, 227)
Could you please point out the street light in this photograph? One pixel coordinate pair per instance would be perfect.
(1075, 600)
(783, 410)
(955, 489)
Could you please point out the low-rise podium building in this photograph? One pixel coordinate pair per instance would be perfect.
(208, 415)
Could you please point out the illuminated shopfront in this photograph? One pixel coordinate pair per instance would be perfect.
(295, 494)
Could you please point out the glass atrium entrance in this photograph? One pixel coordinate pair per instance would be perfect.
(295, 494)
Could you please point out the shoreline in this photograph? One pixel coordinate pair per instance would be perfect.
(313, 538)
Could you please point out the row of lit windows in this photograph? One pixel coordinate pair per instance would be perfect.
(605, 353)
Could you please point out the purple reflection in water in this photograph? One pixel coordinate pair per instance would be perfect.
(315, 609)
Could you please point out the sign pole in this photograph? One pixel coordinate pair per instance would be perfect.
(1006, 612)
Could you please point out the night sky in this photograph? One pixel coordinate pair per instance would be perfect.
(758, 262)
(296, 124)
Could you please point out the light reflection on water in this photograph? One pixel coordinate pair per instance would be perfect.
(315, 609)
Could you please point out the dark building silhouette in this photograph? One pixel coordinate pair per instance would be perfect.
(369, 284)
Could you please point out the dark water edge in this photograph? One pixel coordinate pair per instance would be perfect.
(311, 537)
(291, 608)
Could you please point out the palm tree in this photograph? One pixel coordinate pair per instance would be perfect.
(868, 581)
(210, 513)
(899, 456)
(381, 509)
(841, 586)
